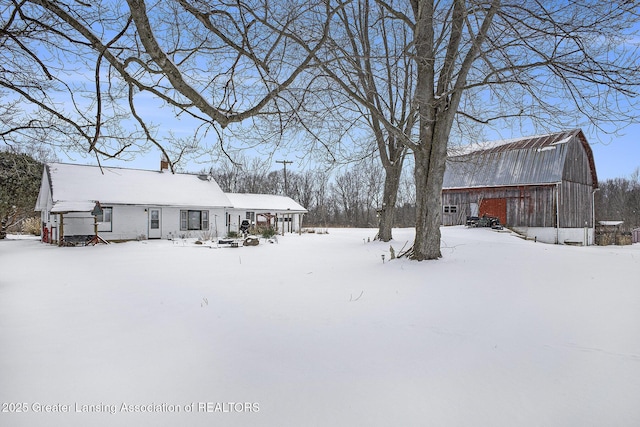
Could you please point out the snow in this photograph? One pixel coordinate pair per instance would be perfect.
(249, 201)
(487, 145)
(562, 141)
(480, 146)
(108, 185)
(317, 330)
(75, 206)
(611, 223)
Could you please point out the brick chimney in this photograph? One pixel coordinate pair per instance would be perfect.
(164, 163)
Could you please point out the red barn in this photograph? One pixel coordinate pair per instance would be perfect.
(540, 186)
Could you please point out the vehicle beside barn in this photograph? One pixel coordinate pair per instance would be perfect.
(541, 186)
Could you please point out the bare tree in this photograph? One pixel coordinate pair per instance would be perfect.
(619, 199)
(91, 70)
(44, 97)
(366, 58)
(244, 175)
(215, 63)
(543, 62)
(319, 204)
(487, 62)
(347, 188)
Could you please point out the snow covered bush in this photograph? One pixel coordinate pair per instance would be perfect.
(267, 232)
(32, 226)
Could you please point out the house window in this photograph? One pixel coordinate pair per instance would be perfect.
(194, 220)
(104, 219)
(450, 209)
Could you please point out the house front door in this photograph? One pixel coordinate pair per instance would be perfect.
(155, 223)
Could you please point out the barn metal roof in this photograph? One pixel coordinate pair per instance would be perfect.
(524, 161)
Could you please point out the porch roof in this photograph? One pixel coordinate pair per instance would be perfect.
(265, 202)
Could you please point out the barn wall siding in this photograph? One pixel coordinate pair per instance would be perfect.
(526, 206)
(576, 166)
(575, 205)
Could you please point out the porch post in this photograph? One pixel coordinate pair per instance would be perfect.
(61, 230)
(300, 216)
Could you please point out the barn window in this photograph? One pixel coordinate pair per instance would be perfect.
(194, 220)
(450, 209)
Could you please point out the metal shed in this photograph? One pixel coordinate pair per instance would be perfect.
(541, 186)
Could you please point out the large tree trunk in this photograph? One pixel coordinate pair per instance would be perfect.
(438, 99)
(429, 175)
(389, 198)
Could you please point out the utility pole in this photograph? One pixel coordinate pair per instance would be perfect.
(284, 164)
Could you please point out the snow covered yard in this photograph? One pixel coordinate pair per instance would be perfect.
(316, 330)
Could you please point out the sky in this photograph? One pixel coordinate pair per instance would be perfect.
(615, 156)
(619, 157)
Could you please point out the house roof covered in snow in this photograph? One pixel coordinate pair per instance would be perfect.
(76, 188)
(542, 159)
(265, 202)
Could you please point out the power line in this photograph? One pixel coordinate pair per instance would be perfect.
(284, 164)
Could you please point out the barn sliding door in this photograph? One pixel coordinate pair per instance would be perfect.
(494, 207)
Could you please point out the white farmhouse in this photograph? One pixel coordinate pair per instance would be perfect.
(133, 203)
(80, 202)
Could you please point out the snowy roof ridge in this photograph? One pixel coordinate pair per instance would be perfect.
(115, 185)
(264, 202)
(523, 142)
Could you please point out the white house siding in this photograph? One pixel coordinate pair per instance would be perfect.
(71, 192)
(132, 222)
(171, 223)
(127, 223)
